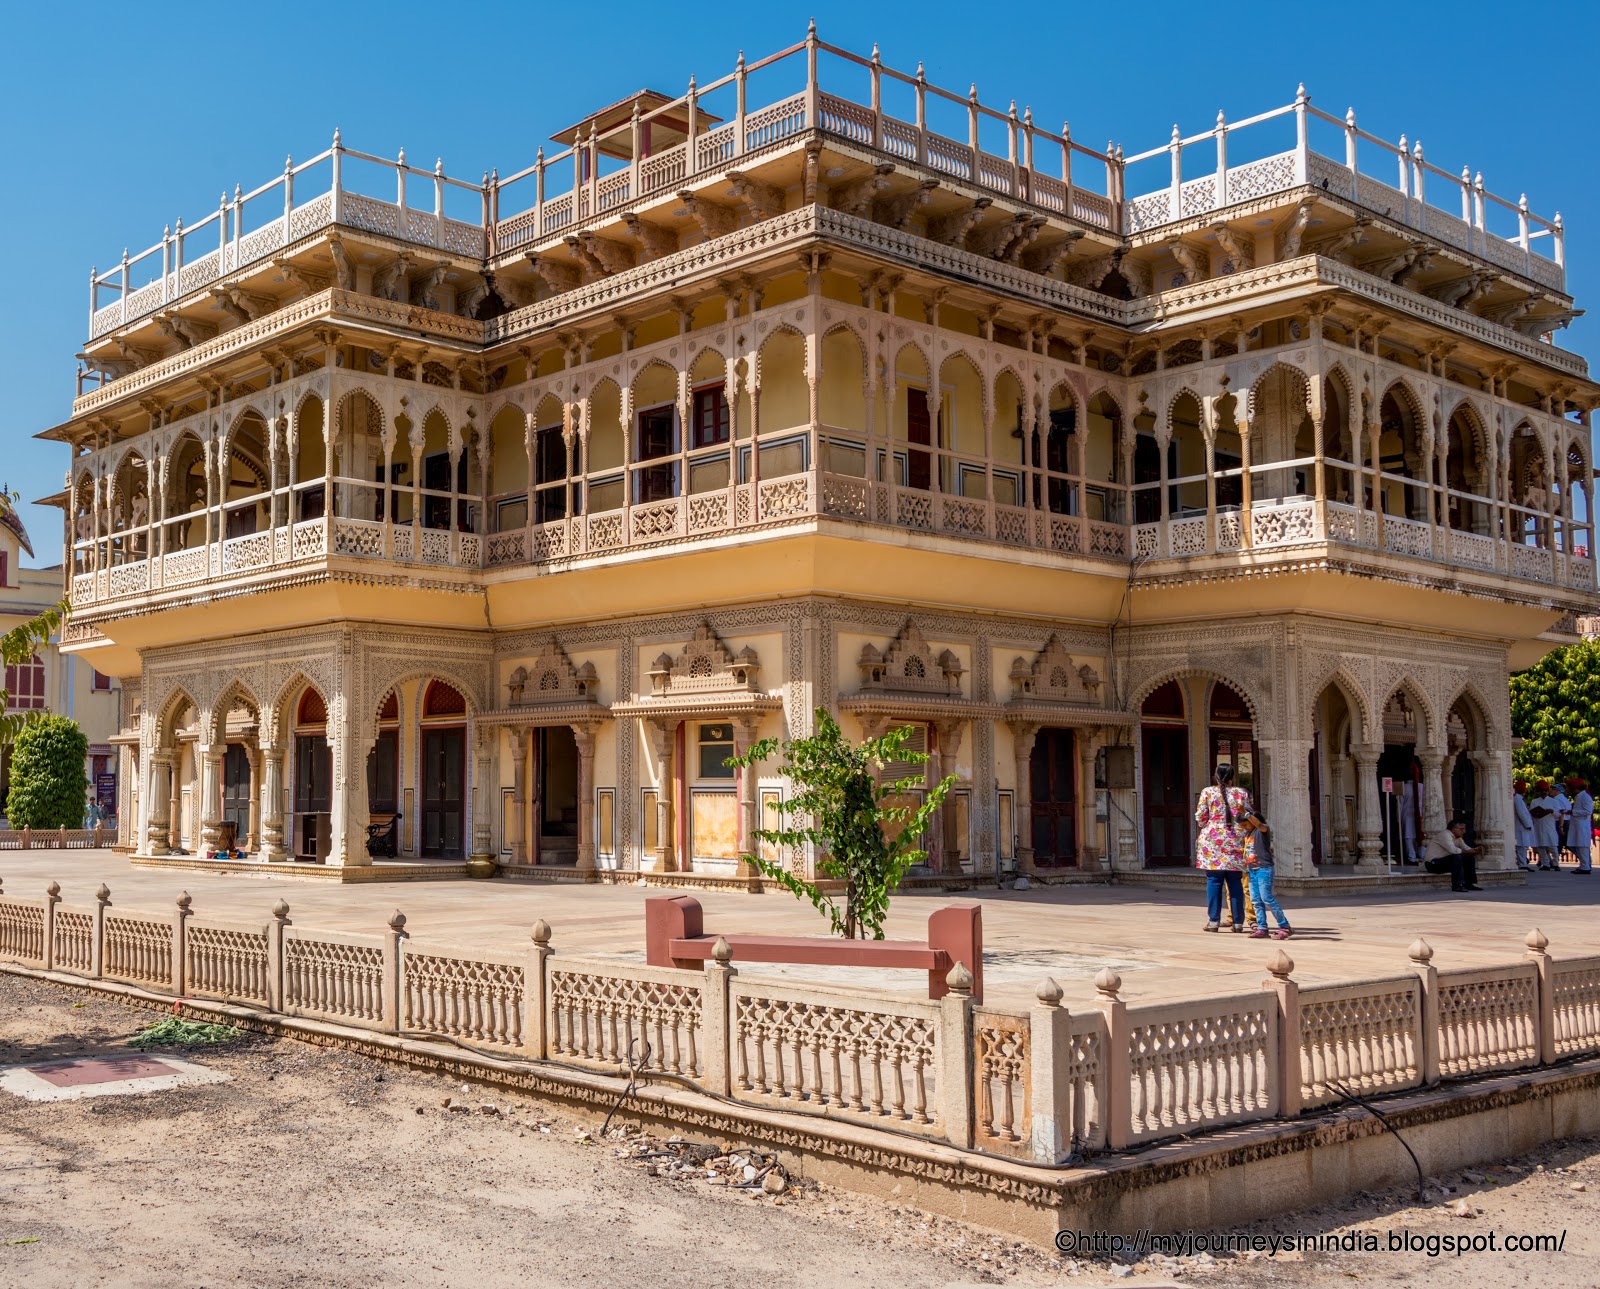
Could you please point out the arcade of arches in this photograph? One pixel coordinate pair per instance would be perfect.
(605, 748)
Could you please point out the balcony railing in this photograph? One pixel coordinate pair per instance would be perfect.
(1280, 525)
(1529, 244)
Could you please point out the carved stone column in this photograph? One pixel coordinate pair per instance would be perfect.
(744, 735)
(252, 843)
(210, 799)
(159, 795)
(583, 736)
(174, 801)
(1369, 816)
(1023, 734)
(1088, 849)
(662, 732)
(1433, 816)
(272, 813)
(517, 843)
(1492, 789)
(483, 788)
(947, 856)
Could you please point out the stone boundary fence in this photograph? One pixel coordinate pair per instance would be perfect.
(1034, 1083)
(56, 838)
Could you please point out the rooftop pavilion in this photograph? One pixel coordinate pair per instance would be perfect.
(648, 172)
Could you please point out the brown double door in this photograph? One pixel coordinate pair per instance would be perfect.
(1166, 796)
(444, 790)
(1054, 805)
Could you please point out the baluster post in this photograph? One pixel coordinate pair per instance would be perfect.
(691, 147)
(102, 901)
(1421, 954)
(1118, 1104)
(400, 185)
(180, 937)
(717, 1033)
(1405, 180)
(1220, 198)
(336, 184)
(1302, 147)
(739, 79)
(275, 935)
(955, 1057)
(238, 221)
(1538, 954)
(94, 293)
(538, 191)
(922, 116)
(975, 172)
(638, 146)
(288, 196)
(27, 837)
(877, 97)
(535, 1018)
(393, 1002)
(1351, 140)
(1419, 179)
(1558, 232)
(1066, 167)
(1287, 1075)
(491, 211)
(1466, 196)
(1479, 215)
(166, 263)
(125, 283)
(812, 119)
(438, 201)
(1013, 151)
(1050, 1046)
(52, 897)
(1175, 186)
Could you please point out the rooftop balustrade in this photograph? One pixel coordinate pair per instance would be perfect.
(815, 87)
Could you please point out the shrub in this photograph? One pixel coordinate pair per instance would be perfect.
(48, 785)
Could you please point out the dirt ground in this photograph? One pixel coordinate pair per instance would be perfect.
(317, 1167)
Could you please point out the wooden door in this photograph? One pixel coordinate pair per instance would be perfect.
(1055, 799)
(1314, 778)
(444, 790)
(236, 790)
(919, 430)
(1167, 809)
(313, 792)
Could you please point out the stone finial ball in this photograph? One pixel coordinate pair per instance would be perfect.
(1049, 993)
(1280, 965)
(185, 900)
(280, 910)
(1107, 981)
(1536, 940)
(103, 894)
(53, 890)
(397, 921)
(959, 979)
(722, 951)
(541, 932)
(1420, 951)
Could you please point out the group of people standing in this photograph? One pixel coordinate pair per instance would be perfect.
(1552, 822)
(1235, 842)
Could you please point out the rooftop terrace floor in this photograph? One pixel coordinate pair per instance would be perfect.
(1152, 938)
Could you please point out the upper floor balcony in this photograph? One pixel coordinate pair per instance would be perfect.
(815, 414)
(647, 153)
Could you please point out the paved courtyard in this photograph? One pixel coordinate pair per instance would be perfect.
(1152, 938)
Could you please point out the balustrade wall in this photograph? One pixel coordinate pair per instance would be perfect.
(1036, 1082)
(1024, 448)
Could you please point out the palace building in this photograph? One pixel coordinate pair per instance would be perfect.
(486, 519)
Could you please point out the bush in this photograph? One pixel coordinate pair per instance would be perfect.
(1553, 706)
(48, 785)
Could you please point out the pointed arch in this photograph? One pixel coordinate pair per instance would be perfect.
(214, 719)
(842, 394)
(1416, 695)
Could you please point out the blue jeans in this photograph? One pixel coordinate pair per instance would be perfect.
(1261, 893)
(1216, 878)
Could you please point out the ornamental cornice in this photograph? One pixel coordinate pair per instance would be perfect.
(913, 707)
(715, 703)
(546, 715)
(1066, 714)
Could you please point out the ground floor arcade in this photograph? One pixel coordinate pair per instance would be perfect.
(604, 746)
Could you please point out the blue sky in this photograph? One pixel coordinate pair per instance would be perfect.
(120, 119)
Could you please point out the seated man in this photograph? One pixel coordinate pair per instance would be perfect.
(1448, 852)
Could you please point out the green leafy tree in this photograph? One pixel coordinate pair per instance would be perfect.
(1555, 707)
(866, 832)
(48, 785)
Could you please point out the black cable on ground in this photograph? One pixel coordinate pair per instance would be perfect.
(642, 1046)
(1346, 1095)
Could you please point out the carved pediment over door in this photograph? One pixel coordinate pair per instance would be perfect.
(909, 666)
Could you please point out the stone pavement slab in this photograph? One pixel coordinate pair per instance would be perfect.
(1152, 938)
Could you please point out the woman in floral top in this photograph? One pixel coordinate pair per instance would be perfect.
(1220, 815)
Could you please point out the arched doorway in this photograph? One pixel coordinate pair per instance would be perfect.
(1164, 734)
(383, 773)
(313, 777)
(1404, 730)
(444, 771)
(1231, 737)
(556, 807)
(1054, 799)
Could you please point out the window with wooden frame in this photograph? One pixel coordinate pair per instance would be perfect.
(715, 744)
(25, 685)
(656, 440)
(710, 416)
